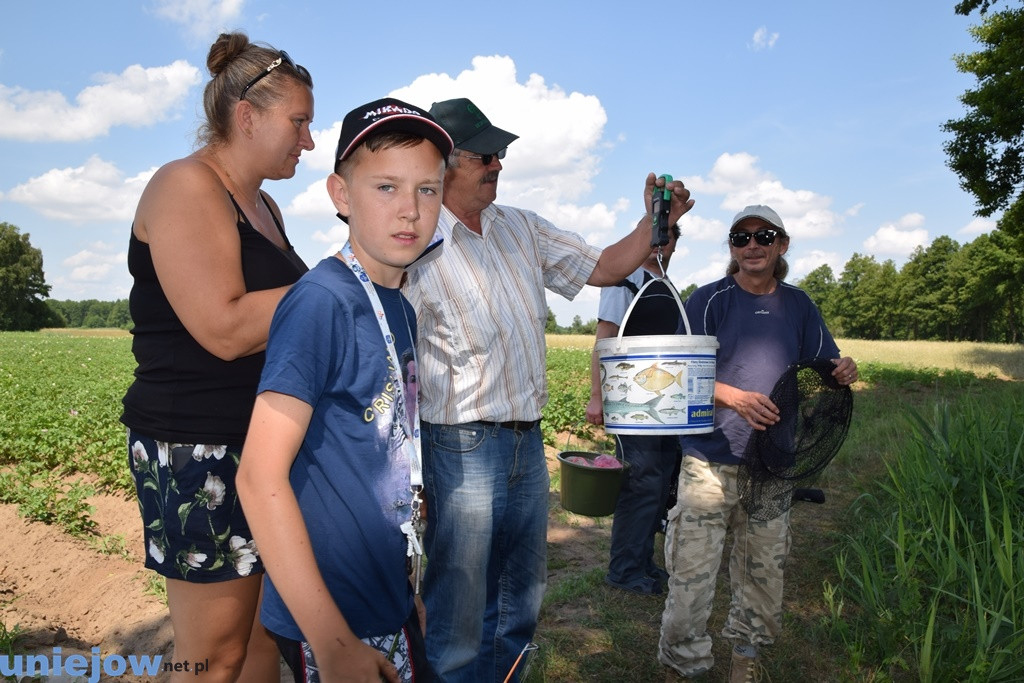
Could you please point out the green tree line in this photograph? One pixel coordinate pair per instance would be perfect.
(91, 313)
(944, 292)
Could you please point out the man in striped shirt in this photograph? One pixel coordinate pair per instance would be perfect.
(481, 313)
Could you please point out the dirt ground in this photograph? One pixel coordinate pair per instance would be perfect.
(62, 592)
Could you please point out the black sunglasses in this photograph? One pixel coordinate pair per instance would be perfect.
(486, 159)
(765, 237)
(283, 58)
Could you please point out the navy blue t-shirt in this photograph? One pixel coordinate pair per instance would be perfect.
(351, 475)
(759, 336)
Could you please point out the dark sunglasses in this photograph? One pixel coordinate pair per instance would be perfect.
(765, 237)
(486, 159)
(283, 58)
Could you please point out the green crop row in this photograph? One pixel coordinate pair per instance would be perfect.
(60, 403)
(60, 400)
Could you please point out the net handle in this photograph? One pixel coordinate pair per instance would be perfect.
(636, 298)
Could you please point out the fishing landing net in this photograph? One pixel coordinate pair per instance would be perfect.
(815, 412)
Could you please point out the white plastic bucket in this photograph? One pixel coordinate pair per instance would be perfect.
(658, 384)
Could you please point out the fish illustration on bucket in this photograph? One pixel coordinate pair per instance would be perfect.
(658, 384)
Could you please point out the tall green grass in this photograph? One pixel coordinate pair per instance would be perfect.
(935, 566)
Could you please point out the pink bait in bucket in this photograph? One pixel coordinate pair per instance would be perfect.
(608, 462)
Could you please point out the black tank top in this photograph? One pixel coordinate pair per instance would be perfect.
(657, 311)
(182, 393)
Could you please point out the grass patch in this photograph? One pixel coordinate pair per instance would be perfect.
(155, 585)
(591, 632)
(111, 544)
(1001, 361)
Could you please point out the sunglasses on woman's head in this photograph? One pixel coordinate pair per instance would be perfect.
(765, 237)
(283, 58)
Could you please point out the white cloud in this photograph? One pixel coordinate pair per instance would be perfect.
(552, 163)
(899, 238)
(713, 270)
(695, 227)
(201, 19)
(595, 222)
(801, 264)
(313, 203)
(325, 142)
(806, 214)
(334, 237)
(762, 40)
(95, 272)
(556, 156)
(136, 97)
(978, 226)
(96, 191)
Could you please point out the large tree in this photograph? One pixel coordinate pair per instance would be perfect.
(22, 286)
(820, 285)
(864, 300)
(991, 298)
(987, 149)
(928, 291)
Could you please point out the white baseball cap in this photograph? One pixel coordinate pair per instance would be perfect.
(765, 213)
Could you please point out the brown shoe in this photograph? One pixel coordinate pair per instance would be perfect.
(743, 668)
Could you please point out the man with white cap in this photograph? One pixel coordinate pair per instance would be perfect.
(481, 313)
(763, 325)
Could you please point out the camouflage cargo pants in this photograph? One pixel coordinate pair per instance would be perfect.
(707, 506)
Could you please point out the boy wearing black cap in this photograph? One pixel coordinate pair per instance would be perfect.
(330, 475)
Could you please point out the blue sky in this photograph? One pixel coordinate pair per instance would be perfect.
(829, 112)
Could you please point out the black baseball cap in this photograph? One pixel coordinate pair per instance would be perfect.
(389, 115)
(469, 128)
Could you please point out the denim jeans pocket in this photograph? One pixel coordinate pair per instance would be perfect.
(457, 438)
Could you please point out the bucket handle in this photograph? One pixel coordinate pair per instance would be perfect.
(568, 439)
(636, 298)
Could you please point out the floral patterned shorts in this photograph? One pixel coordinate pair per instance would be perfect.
(192, 520)
(405, 649)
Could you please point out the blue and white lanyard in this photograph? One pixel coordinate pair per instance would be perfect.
(407, 413)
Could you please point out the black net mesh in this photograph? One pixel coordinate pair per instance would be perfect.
(815, 413)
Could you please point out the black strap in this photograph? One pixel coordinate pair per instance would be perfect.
(630, 286)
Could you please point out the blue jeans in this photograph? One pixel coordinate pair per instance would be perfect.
(641, 504)
(486, 545)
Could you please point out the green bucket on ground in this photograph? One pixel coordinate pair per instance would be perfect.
(589, 491)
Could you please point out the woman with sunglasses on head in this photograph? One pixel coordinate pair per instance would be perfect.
(210, 261)
(763, 325)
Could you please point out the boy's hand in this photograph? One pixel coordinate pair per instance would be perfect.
(355, 663)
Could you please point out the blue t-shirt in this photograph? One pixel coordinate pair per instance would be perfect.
(351, 475)
(759, 336)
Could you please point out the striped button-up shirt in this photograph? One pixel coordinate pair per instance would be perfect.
(481, 312)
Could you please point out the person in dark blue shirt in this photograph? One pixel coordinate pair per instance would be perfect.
(763, 325)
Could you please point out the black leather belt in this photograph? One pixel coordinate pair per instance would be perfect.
(518, 425)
